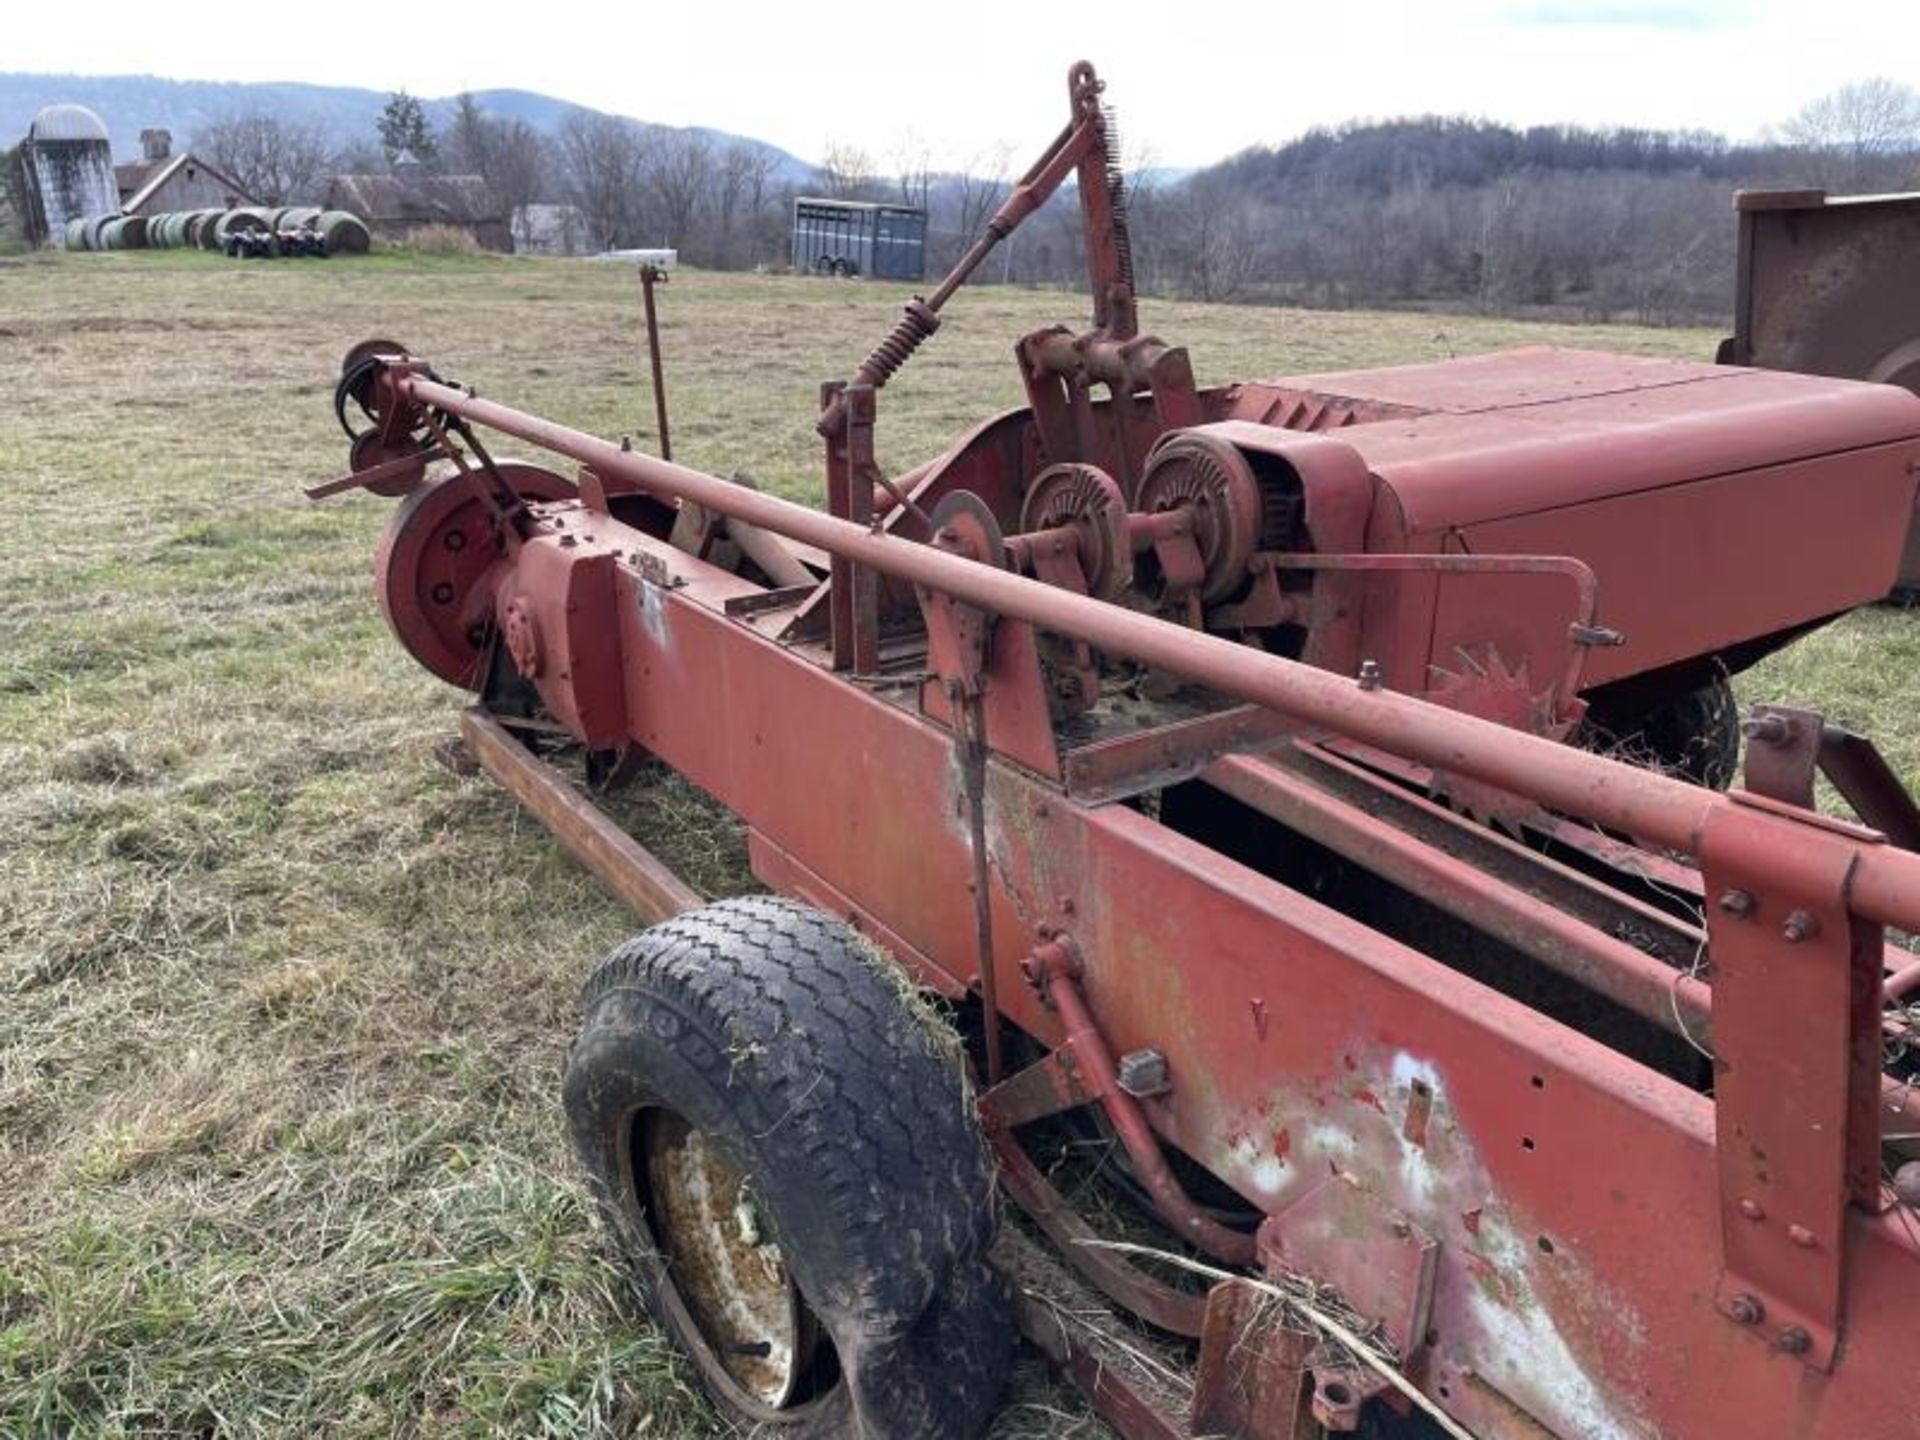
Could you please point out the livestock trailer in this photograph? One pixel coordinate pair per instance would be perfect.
(857, 237)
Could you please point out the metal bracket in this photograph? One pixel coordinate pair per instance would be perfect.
(1796, 1018)
(1381, 1262)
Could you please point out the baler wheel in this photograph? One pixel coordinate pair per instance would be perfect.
(1695, 735)
(783, 1154)
(434, 558)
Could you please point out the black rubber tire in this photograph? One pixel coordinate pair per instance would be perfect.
(775, 1031)
(1695, 736)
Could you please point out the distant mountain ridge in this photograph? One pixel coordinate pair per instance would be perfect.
(129, 104)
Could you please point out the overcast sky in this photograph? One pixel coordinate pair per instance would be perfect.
(1192, 82)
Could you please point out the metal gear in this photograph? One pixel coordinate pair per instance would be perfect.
(1211, 479)
(1086, 498)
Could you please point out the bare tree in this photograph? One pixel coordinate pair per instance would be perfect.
(468, 138)
(739, 200)
(510, 155)
(605, 164)
(980, 187)
(1217, 241)
(280, 162)
(912, 169)
(847, 173)
(679, 176)
(1859, 136)
(518, 165)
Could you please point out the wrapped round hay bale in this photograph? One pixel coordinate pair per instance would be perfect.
(299, 217)
(171, 228)
(343, 233)
(157, 231)
(75, 237)
(205, 229)
(110, 234)
(133, 232)
(235, 222)
(95, 225)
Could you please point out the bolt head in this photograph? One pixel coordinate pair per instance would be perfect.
(1737, 903)
(1753, 1210)
(1800, 925)
(1143, 1072)
(1793, 1341)
(1801, 1236)
(1906, 1184)
(1746, 1309)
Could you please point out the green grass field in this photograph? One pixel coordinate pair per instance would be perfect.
(282, 1003)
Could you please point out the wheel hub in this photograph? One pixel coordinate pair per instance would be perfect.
(725, 1262)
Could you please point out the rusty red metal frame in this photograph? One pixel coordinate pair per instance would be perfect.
(1786, 1273)
(1884, 884)
(1553, 1236)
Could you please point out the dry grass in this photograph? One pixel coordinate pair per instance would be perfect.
(284, 1003)
(441, 241)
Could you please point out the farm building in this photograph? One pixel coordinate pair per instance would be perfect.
(161, 181)
(62, 171)
(392, 205)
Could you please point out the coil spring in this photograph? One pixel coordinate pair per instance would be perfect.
(1117, 189)
(908, 334)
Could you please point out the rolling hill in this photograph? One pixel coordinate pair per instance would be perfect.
(131, 103)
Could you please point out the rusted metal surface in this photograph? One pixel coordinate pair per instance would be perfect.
(1831, 286)
(652, 275)
(1668, 1220)
(1253, 1100)
(1788, 747)
(624, 865)
(726, 1264)
(1053, 970)
(1797, 1079)
(1666, 812)
(1251, 1378)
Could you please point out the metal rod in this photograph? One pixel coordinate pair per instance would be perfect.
(625, 866)
(971, 735)
(649, 275)
(1544, 933)
(1885, 883)
(1052, 966)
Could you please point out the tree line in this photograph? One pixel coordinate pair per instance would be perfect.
(1428, 211)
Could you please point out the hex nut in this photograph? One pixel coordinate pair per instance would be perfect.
(1800, 925)
(1143, 1073)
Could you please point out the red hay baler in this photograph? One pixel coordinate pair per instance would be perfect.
(1224, 757)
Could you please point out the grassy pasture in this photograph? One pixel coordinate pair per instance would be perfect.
(282, 1003)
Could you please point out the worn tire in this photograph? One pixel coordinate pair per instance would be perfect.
(1695, 736)
(778, 1035)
